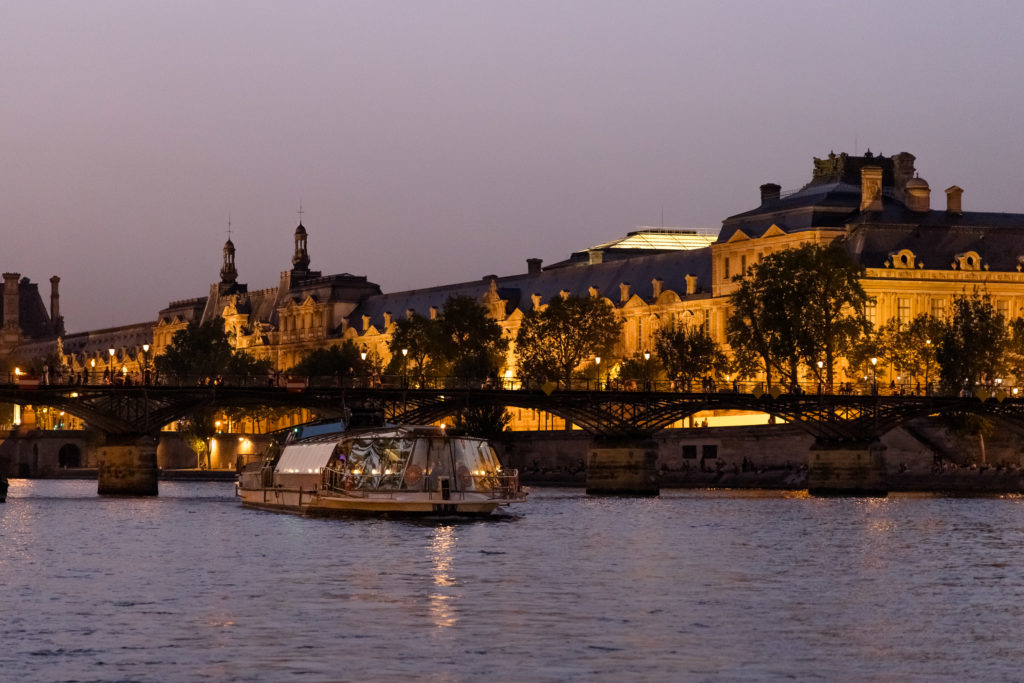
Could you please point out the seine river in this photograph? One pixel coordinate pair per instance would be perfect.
(693, 585)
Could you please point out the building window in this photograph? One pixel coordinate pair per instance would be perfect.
(871, 312)
(903, 310)
(707, 320)
(743, 264)
(725, 263)
(709, 451)
(1003, 309)
(690, 452)
(939, 308)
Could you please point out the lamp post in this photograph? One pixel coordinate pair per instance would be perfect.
(92, 364)
(362, 368)
(647, 370)
(145, 363)
(597, 364)
(927, 366)
(821, 364)
(110, 364)
(405, 373)
(874, 381)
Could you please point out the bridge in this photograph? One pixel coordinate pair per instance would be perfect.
(131, 416)
(125, 411)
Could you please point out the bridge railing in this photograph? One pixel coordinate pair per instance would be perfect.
(605, 383)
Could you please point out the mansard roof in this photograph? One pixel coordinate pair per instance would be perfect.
(937, 237)
(517, 290)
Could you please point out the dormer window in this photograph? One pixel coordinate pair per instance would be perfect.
(968, 260)
(904, 258)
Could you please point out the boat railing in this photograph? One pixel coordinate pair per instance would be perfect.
(503, 486)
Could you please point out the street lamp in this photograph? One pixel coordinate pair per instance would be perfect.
(145, 363)
(821, 364)
(110, 364)
(874, 380)
(647, 371)
(405, 373)
(597, 363)
(92, 364)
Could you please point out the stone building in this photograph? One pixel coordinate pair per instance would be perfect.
(917, 259)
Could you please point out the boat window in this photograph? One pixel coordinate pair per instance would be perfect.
(377, 463)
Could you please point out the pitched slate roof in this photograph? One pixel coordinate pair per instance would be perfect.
(638, 271)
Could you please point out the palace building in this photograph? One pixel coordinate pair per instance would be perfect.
(917, 258)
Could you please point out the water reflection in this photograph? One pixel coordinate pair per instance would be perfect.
(442, 546)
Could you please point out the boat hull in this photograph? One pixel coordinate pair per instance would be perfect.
(324, 504)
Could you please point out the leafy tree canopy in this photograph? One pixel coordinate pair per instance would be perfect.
(687, 352)
(203, 351)
(552, 342)
(972, 343)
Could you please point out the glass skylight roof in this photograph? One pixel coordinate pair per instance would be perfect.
(668, 239)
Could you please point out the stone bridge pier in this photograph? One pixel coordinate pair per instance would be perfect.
(847, 469)
(622, 467)
(127, 466)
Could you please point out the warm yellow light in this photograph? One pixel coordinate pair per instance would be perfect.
(874, 361)
(376, 471)
(93, 362)
(647, 355)
(405, 352)
(387, 471)
(74, 394)
(356, 472)
(145, 348)
(597, 360)
(111, 351)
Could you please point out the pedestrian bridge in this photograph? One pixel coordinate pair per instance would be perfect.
(124, 411)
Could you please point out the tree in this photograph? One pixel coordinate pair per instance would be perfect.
(552, 342)
(687, 352)
(1015, 350)
(799, 306)
(340, 362)
(972, 343)
(420, 337)
(469, 339)
(202, 352)
(832, 315)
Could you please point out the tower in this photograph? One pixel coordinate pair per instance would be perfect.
(228, 273)
(300, 259)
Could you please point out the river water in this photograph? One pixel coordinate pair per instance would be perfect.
(693, 585)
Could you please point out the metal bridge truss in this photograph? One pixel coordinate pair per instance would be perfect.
(146, 409)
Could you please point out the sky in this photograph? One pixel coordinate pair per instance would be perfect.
(431, 142)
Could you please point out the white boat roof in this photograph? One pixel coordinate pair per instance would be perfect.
(305, 458)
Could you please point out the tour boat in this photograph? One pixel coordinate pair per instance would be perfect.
(406, 470)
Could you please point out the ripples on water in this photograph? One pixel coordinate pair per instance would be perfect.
(689, 586)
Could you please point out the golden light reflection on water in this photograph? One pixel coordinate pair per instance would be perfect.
(442, 546)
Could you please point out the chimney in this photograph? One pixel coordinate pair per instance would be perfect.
(366, 323)
(387, 319)
(770, 192)
(691, 285)
(55, 302)
(11, 303)
(535, 298)
(433, 312)
(953, 199)
(409, 313)
(656, 285)
(902, 172)
(623, 292)
(533, 266)
(918, 195)
(596, 257)
(871, 188)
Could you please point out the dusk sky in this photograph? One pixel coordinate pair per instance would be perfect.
(437, 142)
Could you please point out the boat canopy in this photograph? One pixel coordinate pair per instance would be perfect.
(305, 458)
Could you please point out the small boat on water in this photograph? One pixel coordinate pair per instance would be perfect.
(403, 470)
